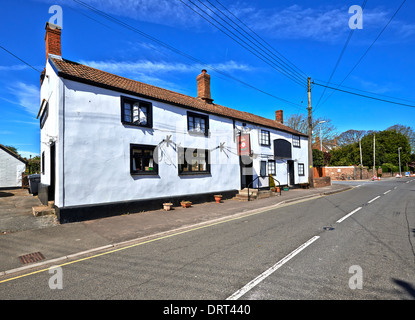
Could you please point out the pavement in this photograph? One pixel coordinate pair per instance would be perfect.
(21, 233)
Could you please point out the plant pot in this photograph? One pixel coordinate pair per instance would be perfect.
(277, 189)
(186, 204)
(218, 198)
(167, 206)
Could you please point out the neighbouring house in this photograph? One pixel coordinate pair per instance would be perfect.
(12, 166)
(325, 145)
(111, 145)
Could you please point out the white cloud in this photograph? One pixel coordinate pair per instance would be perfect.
(323, 23)
(27, 96)
(152, 72)
(16, 67)
(150, 67)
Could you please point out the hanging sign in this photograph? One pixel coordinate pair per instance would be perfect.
(244, 145)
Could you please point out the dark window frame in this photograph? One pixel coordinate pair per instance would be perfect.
(263, 169)
(302, 171)
(182, 162)
(263, 142)
(43, 162)
(273, 169)
(194, 115)
(296, 141)
(143, 147)
(44, 116)
(142, 104)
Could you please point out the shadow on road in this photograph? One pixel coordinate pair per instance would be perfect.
(406, 285)
(6, 194)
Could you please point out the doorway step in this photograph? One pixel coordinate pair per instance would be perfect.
(253, 194)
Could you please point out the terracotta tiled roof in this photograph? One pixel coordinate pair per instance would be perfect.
(81, 73)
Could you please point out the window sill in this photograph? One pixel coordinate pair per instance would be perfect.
(144, 173)
(136, 125)
(194, 173)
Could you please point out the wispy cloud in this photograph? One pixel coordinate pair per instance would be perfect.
(320, 23)
(151, 67)
(152, 71)
(27, 96)
(16, 67)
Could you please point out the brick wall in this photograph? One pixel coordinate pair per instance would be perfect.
(349, 173)
(322, 182)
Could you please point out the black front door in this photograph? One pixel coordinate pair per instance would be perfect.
(246, 171)
(290, 164)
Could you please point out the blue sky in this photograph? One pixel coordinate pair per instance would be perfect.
(310, 34)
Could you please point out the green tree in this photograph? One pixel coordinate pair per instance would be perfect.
(387, 143)
(13, 149)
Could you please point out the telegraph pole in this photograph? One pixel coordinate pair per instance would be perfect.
(374, 141)
(310, 136)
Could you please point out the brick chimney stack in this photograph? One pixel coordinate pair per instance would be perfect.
(279, 116)
(53, 40)
(203, 86)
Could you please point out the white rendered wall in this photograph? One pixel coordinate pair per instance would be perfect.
(52, 91)
(11, 170)
(263, 153)
(97, 150)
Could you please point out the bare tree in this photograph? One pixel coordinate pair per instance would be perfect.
(350, 136)
(299, 122)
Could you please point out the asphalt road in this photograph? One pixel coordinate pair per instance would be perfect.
(324, 248)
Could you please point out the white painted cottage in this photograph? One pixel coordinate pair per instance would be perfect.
(111, 145)
(12, 166)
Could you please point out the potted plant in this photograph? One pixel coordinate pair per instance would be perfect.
(167, 206)
(218, 198)
(186, 204)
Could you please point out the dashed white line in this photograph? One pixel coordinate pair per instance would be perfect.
(348, 215)
(370, 201)
(387, 191)
(271, 270)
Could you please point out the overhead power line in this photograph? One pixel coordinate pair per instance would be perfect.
(287, 65)
(365, 96)
(339, 59)
(367, 50)
(26, 63)
(299, 80)
(292, 65)
(177, 51)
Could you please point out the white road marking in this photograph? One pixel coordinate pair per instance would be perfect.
(395, 188)
(348, 215)
(387, 191)
(271, 270)
(373, 199)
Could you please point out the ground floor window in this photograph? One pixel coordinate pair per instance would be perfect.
(301, 169)
(271, 167)
(193, 161)
(142, 159)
